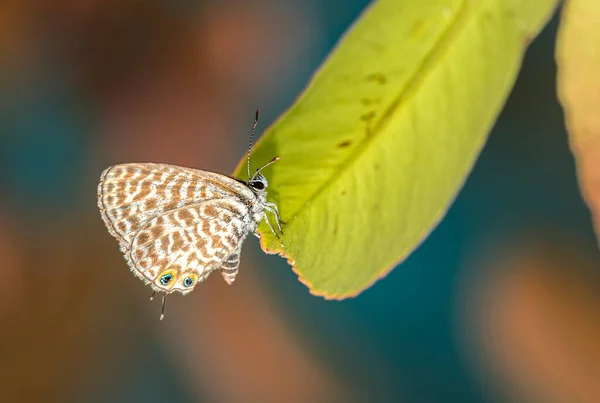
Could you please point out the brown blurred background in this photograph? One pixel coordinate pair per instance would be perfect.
(500, 303)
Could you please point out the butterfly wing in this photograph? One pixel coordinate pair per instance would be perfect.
(148, 207)
(130, 195)
(191, 241)
(229, 267)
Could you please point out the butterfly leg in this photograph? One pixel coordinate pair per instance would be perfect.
(229, 268)
(272, 207)
(273, 231)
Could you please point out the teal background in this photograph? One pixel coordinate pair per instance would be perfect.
(78, 327)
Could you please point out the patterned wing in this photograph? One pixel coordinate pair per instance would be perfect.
(229, 268)
(130, 195)
(188, 242)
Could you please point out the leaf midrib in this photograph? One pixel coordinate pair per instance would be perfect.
(419, 76)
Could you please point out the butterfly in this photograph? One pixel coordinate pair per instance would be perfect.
(176, 225)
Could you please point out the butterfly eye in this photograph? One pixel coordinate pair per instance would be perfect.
(166, 278)
(188, 282)
(258, 185)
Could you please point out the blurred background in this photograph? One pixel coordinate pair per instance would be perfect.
(500, 303)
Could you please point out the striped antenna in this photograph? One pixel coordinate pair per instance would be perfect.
(251, 138)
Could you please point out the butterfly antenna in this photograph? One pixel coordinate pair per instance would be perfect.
(251, 138)
(153, 294)
(162, 312)
(267, 164)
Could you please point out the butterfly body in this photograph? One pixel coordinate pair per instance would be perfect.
(176, 225)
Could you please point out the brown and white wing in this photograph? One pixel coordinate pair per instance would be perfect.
(229, 267)
(130, 195)
(189, 241)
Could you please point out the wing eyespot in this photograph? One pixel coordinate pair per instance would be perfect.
(167, 277)
(164, 230)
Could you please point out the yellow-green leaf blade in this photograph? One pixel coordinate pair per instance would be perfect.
(376, 148)
(578, 59)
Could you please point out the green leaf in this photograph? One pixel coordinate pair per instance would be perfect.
(578, 59)
(378, 145)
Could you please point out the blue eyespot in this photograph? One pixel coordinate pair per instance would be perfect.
(166, 279)
(188, 282)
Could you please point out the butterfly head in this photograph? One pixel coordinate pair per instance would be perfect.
(258, 183)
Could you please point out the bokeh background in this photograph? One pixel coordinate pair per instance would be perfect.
(500, 304)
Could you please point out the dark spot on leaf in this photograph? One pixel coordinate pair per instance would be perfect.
(489, 16)
(417, 29)
(375, 45)
(366, 101)
(376, 166)
(343, 192)
(335, 229)
(378, 78)
(368, 116)
(344, 144)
